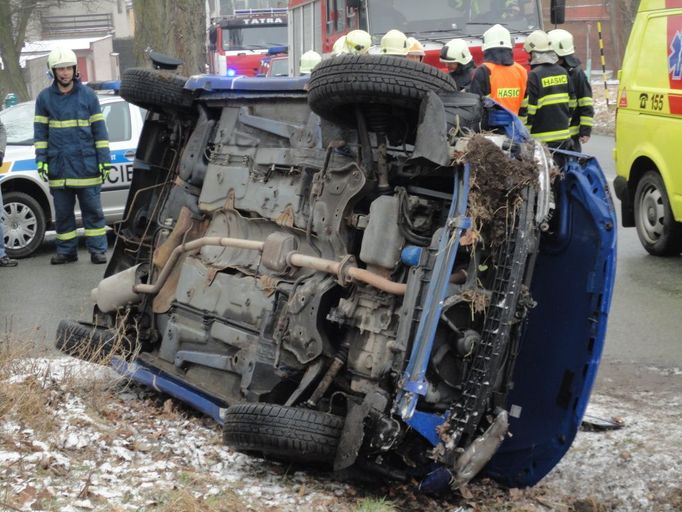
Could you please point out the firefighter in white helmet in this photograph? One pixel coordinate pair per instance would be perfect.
(309, 60)
(581, 122)
(546, 109)
(394, 42)
(358, 42)
(499, 76)
(456, 55)
(415, 50)
(72, 155)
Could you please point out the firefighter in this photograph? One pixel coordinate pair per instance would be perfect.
(499, 76)
(547, 107)
(309, 60)
(581, 121)
(340, 47)
(394, 42)
(72, 155)
(456, 55)
(415, 50)
(358, 42)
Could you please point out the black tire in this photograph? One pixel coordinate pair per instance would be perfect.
(155, 90)
(286, 433)
(24, 225)
(85, 341)
(366, 80)
(658, 232)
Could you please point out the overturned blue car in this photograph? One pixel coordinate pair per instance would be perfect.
(365, 270)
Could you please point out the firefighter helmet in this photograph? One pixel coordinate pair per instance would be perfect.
(61, 58)
(340, 47)
(309, 60)
(358, 41)
(456, 50)
(561, 41)
(394, 42)
(414, 47)
(537, 41)
(496, 37)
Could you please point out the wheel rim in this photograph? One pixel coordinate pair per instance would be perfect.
(651, 213)
(20, 225)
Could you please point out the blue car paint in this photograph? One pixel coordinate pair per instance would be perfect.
(562, 343)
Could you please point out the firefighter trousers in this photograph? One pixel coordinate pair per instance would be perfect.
(93, 219)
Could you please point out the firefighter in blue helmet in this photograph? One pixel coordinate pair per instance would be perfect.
(72, 154)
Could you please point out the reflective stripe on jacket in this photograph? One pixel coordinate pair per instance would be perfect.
(71, 136)
(549, 103)
(581, 122)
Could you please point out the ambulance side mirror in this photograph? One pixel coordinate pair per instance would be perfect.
(557, 12)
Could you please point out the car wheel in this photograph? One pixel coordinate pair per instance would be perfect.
(369, 80)
(656, 227)
(155, 90)
(24, 224)
(89, 342)
(287, 433)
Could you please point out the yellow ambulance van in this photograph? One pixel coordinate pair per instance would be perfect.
(648, 149)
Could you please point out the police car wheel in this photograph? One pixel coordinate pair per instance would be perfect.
(24, 224)
(155, 90)
(656, 227)
(370, 81)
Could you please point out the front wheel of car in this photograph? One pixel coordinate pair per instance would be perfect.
(656, 227)
(24, 224)
(286, 433)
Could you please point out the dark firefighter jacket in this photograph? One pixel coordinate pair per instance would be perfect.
(500, 78)
(462, 76)
(581, 122)
(70, 135)
(549, 103)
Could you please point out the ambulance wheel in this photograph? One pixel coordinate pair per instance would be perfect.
(24, 224)
(155, 90)
(396, 84)
(656, 227)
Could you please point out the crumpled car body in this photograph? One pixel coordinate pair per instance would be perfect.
(365, 271)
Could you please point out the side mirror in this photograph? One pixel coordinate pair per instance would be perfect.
(557, 12)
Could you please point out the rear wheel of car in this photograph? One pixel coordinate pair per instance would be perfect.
(24, 224)
(656, 227)
(286, 433)
(395, 83)
(155, 90)
(88, 342)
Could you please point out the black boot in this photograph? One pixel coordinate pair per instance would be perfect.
(98, 258)
(60, 259)
(6, 261)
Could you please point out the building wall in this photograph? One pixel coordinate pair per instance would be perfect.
(117, 8)
(581, 21)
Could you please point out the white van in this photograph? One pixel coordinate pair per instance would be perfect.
(28, 210)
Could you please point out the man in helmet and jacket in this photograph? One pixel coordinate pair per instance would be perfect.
(456, 55)
(394, 42)
(581, 122)
(309, 60)
(415, 50)
(548, 105)
(72, 154)
(499, 76)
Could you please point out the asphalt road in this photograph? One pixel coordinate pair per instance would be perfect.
(644, 325)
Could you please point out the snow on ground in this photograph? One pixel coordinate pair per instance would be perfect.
(98, 443)
(604, 116)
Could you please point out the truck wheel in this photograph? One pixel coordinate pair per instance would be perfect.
(24, 224)
(366, 80)
(155, 90)
(287, 433)
(656, 227)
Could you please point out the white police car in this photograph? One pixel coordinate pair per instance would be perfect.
(28, 209)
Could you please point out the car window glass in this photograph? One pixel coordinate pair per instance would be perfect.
(117, 118)
(18, 121)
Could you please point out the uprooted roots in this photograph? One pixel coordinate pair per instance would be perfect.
(496, 184)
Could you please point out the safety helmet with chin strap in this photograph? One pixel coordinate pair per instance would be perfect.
(358, 42)
(561, 42)
(61, 58)
(456, 50)
(394, 42)
(309, 60)
(537, 41)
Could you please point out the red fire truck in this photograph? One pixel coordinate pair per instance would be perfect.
(237, 43)
(316, 24)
